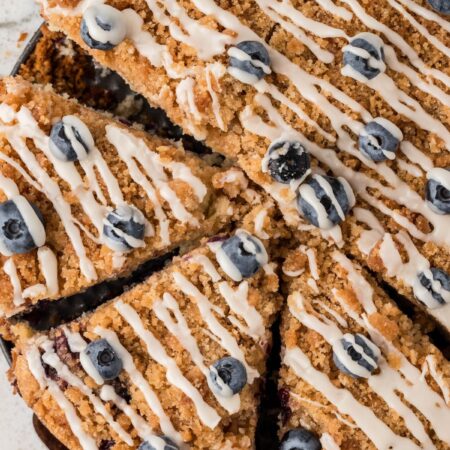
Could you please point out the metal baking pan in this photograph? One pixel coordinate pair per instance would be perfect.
(113, 90)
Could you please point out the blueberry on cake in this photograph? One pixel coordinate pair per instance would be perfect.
(356, 372)
(175, 362)
(331, 107)
(86, 199)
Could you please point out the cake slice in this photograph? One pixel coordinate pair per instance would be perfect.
(326, 106)
(356, 372)
(177, 359)
(87, 199)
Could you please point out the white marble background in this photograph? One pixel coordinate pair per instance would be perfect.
(16, 18)
(16, 430)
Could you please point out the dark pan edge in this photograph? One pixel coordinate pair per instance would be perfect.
(28, 50)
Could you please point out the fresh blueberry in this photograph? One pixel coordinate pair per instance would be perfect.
(300, 439)
(104, 358)
(21, 226)
(169, 445)
(365, 55)
(324, 201)
(287, 161)
(249, 61)
(103, 27)
(124, 228)
(438, 190)
(380, 140)
(441, 6)
(70, 139)
(356, 355)
(228, 376)
(244, 255)
(436, 284)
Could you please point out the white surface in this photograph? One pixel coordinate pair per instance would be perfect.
(16, 429)
(16, 17)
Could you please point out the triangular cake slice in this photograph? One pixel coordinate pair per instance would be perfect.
(85, 198)
(178, 359)
(356, 372)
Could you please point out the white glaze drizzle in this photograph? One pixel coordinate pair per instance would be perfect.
(169, 313)
(321, 405)
(277, 10)
(226, 339)
(144, 431)
(215, 71)
(386, 382)
(408, 273)
(139, 381)
(237, 300)
(336, 10)
(426, 13)
(339, 319)
(132, 149)
(197, 34)
(33, 358)
(9, 267)
(259, 224)
(429, 366)
(399, 192)
(420, 28)
(53, 360)
(186, 100)
(376, 430)
(312, 260)
(411, 169)
(173, 373)
(49, 269)
(328, 443)
(397, 40)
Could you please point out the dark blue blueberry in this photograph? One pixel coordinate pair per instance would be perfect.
(288, 161)
(437, 195)
(356, 355)
(70, 139)
(228, 376)
(169, 445)
(324, 201)
(258, 56)
(377, 142)
(300, 439)
(103, 27)
(373, 45)
(124, 228)
(443, 279)
(246, 254)
(105, 359)
(21, 226)
(441, 6)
